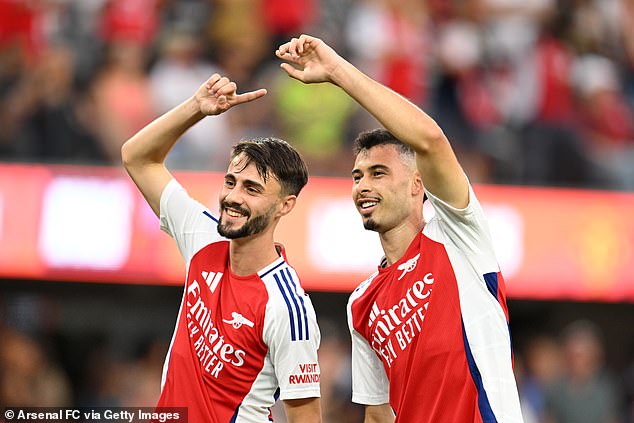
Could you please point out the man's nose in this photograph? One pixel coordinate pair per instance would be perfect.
(363, 186)
(233, 195)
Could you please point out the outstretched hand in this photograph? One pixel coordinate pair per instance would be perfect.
(219, 94)
(310, 60)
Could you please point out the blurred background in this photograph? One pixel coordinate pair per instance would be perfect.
(537, 97)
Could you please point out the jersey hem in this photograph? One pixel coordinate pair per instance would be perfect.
(301, 394)
(370, 399)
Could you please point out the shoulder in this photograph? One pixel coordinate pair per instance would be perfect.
(442, 208)
(180, 213)
(467, 228)
(174, 192)
(361, 288)
(283, 284)
(289, 310)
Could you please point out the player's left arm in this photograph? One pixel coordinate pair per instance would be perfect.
(379, 414)
(310, 60)
(303, 410)
(292, 336)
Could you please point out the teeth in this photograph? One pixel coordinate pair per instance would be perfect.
(367, 204)
(233, 213)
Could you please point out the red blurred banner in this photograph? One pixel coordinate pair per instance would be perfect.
(72, 223)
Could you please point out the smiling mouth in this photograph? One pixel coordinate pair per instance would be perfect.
(368, 204)
(233, 213)
(366, 207)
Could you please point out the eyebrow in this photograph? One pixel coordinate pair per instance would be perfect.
(371, 168)
(247, 182)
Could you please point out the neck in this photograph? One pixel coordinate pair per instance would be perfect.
(396, 240)
(250, 254)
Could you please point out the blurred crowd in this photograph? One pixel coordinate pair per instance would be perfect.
(564, 379)
(529, 91)
(561, 379)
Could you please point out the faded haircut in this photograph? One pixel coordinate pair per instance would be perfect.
(277, 158)
(368, 139)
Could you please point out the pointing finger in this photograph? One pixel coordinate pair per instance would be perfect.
(250, 96)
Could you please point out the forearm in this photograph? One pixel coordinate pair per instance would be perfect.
(378, 414)
(398, 115)
(152, 144)
(436, 162)
(305, 410)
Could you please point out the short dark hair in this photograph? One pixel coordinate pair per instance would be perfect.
(368, 139)
(273, 156)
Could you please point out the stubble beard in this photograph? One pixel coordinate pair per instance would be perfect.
(253, 225)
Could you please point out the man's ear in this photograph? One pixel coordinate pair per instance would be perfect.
(417, 185)
(288, 203)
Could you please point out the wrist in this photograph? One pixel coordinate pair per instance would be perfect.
(339, 74)
(192, 108)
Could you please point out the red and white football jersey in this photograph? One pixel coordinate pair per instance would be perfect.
(241, 342)
(430, 332)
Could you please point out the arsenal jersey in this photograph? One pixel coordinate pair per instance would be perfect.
(241, 342)
(430, 332)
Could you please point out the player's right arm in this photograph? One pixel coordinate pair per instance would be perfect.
(144, 154)
(370, 385)
(369, 382)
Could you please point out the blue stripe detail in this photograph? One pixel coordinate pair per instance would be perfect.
(483, 401)
(206, 213)
(288, 306)
(299, 313)
(301, 301)
(235, 414)
(491, 280)
(508, 326)
(270, 270)
(276, 396)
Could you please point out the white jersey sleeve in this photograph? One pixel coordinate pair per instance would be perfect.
(292, 335)
(467, 229)
(370, 385)
(186, 220)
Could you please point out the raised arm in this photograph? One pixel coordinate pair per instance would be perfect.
(310, 60)
(144, 154)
